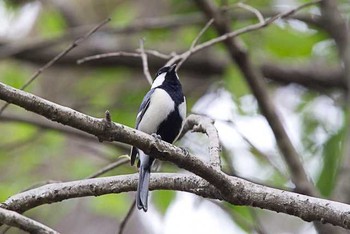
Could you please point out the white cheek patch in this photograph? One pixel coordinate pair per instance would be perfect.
(182, 109)
(159, 108)
(159, 80)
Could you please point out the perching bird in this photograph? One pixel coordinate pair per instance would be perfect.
(161, 112)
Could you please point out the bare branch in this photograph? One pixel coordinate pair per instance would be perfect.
(249, 28)
(243, 193)
(262, 23)
(257, 13)
(158, 54)
(169, 22)
(14, 219)
(109, 167)
(195, 41)
(145, 62)
(58, 57)
(203, 124)
(108, 55)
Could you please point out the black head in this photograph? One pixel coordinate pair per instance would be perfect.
(167, 69)
(166, 74)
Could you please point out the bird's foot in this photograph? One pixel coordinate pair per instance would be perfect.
(185, 151)
(156, 136)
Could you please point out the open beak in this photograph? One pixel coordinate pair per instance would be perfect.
(172, 67)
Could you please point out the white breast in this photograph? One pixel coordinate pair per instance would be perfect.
(182, 109)
(160, 106)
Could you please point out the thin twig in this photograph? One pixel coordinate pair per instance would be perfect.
(127, 217)
(249, 28)
(107, 55)
(173, 57)
(253, 10)
(145, 62)
(158, 54)
(57, 57)
(109, 167)
(194, 43)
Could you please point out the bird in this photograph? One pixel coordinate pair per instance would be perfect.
(161, 114)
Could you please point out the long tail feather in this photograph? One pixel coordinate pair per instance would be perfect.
(142, 188)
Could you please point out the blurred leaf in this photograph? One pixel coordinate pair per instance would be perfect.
(13, 74)
(332, 153)
(115, 205)
(162, 199)
(51, 23)
(79, 168)
(235, 82)
(242, 216)
(286, 42)
(123, 15)
(15, 4)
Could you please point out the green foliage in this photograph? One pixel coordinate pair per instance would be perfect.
(332, 152)
(12, 74)
(235, 82)
(123, 14)
(162, 199)
(242, 216)
(51, 23)
(115, 205)
(286, 42)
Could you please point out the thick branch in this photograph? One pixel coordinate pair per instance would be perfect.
(246, 193)
(14, 219)
(100, 186)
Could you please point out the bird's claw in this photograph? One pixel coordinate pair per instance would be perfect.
(185, 151)
(156, 136)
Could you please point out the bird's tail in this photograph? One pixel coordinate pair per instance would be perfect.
(142, 188)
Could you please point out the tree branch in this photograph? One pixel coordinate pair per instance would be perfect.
(13, 219)
(246, 193)
(145, 62)
(204, 124)
(234, 190)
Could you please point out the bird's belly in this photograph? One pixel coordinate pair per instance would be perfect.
(161, 105)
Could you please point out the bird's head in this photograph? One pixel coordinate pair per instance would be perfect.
(167, 73)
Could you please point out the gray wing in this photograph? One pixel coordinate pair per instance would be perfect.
(142, 110)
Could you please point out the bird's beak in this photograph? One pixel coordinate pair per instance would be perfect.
(172, 67)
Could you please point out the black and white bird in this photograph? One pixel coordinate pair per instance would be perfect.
(161, 112)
